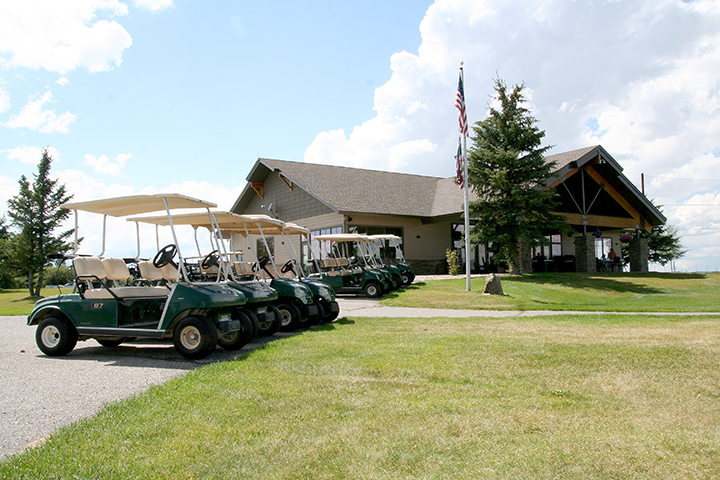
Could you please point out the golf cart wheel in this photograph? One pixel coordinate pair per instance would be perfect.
(239, 338)
(254, 320)
(330, 316)
(290, 317)
(406, 279)
(195, 337)
(372, 290)
(271, 328)
(56, 337)
(320, 317)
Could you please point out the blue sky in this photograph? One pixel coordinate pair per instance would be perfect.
(179, 95)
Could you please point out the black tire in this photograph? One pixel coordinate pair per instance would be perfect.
(330, 316)
(237, 339)
(396, 282)
(254, 320)
(319, 318)
(372, 290)
(271, 328)
(56, 337)
(195, 337)
(110, 342)
(290, 316)
(406, 280)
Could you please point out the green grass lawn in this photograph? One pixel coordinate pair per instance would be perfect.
(19, 302)
(621, 292)
(563, 397)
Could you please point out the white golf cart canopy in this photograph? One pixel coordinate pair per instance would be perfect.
(224, 221)
(343, 237)
(134, 205)
(137, 204)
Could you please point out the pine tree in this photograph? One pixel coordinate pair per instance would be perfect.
(35, 211)
(507, 171)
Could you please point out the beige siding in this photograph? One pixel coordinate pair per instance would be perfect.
(288, 205)
(421, 241)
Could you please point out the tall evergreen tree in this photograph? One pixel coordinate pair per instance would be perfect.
(35, 211)
(507, 171)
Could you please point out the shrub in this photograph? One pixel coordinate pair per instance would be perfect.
(452, 261)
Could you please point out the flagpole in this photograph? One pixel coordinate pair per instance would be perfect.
(467, 197)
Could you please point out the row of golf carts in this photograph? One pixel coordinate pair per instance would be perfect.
(223, 297)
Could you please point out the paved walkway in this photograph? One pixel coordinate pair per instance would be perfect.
(367, 307)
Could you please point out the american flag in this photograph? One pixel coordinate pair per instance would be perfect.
(459, 163)
(460, 104)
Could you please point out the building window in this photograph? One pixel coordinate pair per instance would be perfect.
(262, 251)
(552, 249)
(317, 253)
(602, 247)
(386, 252)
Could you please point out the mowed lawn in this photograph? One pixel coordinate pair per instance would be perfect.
(617, 292)
(562, 397)
(19, 301)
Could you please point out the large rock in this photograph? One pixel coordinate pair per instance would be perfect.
(493, 285)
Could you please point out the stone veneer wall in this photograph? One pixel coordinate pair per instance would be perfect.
(585, 254)
(639, 255)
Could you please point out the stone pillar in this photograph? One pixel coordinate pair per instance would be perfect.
(639, 255)
(585, 254)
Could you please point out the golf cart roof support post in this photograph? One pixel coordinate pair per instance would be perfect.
(103, 235)
(311, 254)
(223, 265)
(181, 262)
(76, 246)
(252, 249)
(197, 244)
(293, 255)
(137, 232)
(267, 248)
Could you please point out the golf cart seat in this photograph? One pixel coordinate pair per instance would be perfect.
(116, 270)
(92, 268)
(244, 269)
(343, 265)
(170, 272)
(151, 273)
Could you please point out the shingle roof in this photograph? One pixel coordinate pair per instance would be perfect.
(356, 190)
(368, 191)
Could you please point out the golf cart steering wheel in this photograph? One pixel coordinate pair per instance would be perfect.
(165, 256)
(210, 260)
(262, 261)
(288, 267)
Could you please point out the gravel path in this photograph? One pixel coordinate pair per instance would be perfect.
(40, 394)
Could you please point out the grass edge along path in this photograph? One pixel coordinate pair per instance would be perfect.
(545, 397)
(608, 292)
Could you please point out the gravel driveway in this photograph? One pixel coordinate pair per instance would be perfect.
(40, 394)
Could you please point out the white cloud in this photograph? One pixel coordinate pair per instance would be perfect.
(154, 5)
(33, 116)
(62, 36)
(640, 78)
(103, 164)
(8, 189)
(62, 81)
(30, 155)
(4, 100)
